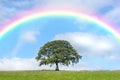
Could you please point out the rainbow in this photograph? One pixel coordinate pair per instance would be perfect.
(83, 16)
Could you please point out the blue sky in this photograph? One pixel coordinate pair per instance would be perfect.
(99, 48)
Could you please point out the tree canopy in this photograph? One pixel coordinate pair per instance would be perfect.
(57, 52)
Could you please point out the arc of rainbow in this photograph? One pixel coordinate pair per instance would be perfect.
(78, 15)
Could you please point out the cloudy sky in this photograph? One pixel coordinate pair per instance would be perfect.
(99, 48)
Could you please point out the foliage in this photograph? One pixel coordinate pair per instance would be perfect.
(57, 52)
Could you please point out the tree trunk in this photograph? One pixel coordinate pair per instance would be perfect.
(57, 68)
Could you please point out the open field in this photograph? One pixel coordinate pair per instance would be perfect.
(59, 75)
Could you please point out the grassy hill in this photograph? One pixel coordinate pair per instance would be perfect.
(59, 75)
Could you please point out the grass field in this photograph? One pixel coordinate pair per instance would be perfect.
(60, 75)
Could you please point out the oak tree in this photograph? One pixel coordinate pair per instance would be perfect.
(57, 52)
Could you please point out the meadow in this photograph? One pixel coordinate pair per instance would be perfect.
(59, 75)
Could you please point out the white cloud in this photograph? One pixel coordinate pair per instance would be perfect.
(31, 64)
(108, 9)
(89, 44)
(78, 66)
(113, 15)
(23, 4)
(18, 64)
(4, 17)
(89, 5)
(8, 64)
(10, 9)
(115, 57)
(27, 37)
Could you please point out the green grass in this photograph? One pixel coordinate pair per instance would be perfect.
(60, 75)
